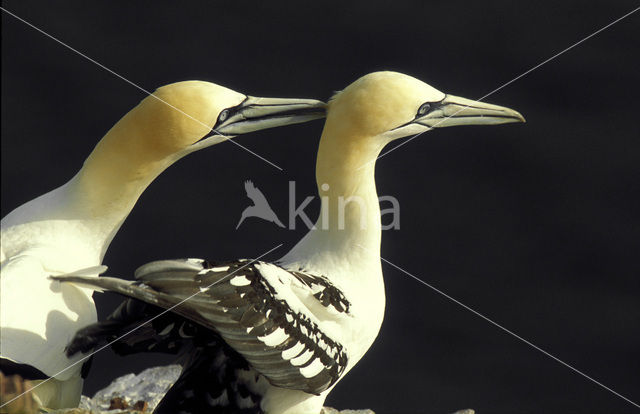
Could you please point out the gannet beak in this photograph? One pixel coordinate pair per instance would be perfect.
(254, 114)
(454, 110)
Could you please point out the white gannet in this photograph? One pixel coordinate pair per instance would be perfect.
(70, 228)
(276, 338)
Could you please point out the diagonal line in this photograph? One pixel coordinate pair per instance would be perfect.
(142, 324)
(505, 330)
(136, 86)
(507, 83)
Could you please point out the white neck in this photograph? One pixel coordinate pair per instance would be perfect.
(102, 196)
(348, 232)
(89, 209)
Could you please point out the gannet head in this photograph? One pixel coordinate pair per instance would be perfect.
(186, 116)
(175, 120)
(391, 105)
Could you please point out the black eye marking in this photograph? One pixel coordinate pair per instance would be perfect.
(424, 109)
(230, 112)
(223, 115)
(428, 107)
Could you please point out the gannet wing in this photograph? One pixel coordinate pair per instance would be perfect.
(257, 308)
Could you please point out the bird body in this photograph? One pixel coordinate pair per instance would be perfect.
(71, 227)
(301, 323)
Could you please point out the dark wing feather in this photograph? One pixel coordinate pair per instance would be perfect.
(236, 301)
(134, 327)
(209, 383)
(326, 292)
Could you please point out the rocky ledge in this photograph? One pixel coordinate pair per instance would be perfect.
(132, 394)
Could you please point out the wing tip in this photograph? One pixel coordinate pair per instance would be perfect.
(190, 264)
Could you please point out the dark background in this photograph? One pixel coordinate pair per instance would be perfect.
(536, 225)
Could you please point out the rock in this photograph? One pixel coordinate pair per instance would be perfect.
(130, 393)
(367, 411)
(141, 392)
(329, 410)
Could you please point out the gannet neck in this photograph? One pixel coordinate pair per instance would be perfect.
(148, 139)
(347, 233)
(350, 211)
(152, 136)
(85, 213)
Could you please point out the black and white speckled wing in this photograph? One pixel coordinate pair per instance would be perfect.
(324, 291)
(257, 308)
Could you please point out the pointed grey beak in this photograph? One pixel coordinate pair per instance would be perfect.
(254, 114)
(454, 110)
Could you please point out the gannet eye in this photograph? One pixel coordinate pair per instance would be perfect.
(424, 108)
(223, 115)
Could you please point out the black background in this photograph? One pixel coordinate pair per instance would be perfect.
(535, 225)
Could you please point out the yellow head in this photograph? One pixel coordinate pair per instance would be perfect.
(383, 106)
(176, 120)
(175, 117)
(186, 116)
(392, 105)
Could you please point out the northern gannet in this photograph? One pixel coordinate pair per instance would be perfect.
(70, 228)
(276, 338)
